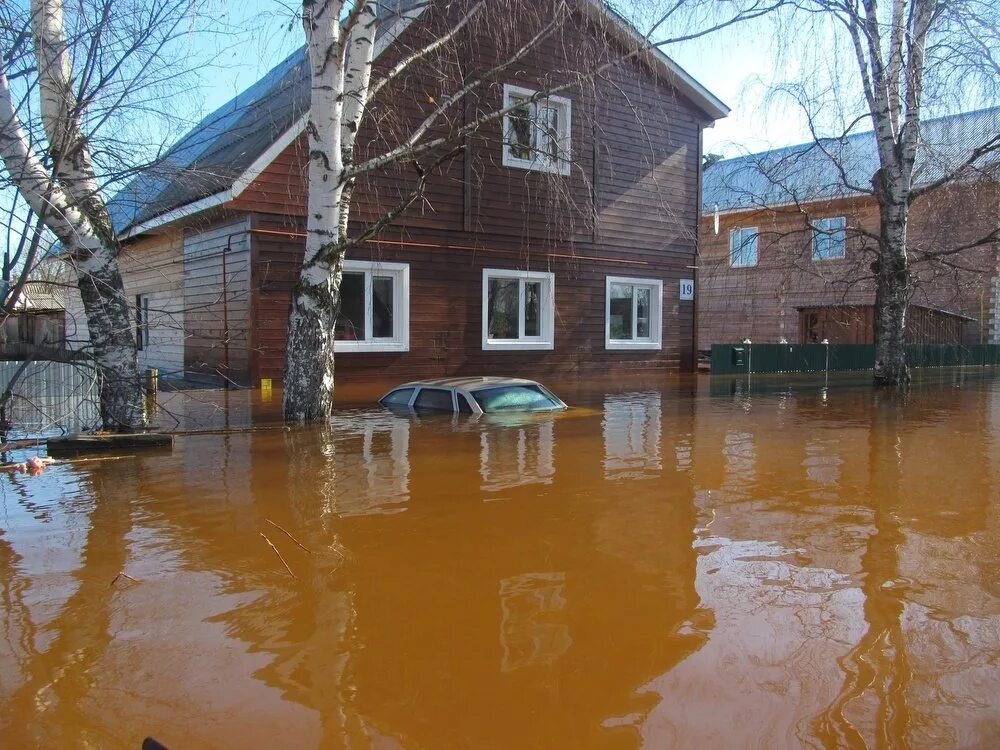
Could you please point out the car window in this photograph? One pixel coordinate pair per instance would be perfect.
(514, 398)
(464, 407)
(398, 397)
(433, 399)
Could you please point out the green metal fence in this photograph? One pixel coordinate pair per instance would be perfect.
(734, 359)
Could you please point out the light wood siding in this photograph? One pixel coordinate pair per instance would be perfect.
(217, 301)
(154, 268)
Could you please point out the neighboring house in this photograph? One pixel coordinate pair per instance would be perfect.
(555, 242)
(786, 249)
(37, 325)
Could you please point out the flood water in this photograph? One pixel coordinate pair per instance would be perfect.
(662, 566)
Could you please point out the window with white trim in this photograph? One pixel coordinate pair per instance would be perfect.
(633, 313)
(518, 309)
(536, 133)
(829, 241)
(374, 308)
(743, 247)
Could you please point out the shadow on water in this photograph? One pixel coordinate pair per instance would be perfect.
(660, 566)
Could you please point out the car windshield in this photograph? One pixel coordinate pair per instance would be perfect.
(514, 398)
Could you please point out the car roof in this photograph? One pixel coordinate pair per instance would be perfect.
(468, 383)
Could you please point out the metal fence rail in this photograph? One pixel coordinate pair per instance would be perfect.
(49, 397)
(735, 359)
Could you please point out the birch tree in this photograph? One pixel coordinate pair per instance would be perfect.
(69, 78)
(910, 57)
(346, 92)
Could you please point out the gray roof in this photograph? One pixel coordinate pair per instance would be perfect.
(220, 148)
(837, 168)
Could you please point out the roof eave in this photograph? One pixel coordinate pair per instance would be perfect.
(244, 180)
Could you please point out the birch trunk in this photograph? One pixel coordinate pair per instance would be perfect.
(892, 294)
(340, 64)
(98, 276)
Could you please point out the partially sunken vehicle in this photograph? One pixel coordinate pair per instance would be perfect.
(487, 395)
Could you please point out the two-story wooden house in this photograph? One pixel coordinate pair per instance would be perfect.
(554, 242)
(789, 236)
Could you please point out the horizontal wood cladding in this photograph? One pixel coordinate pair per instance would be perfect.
(633, 180)
(154, 269)
(763, 302)
(446, 306)
(217, 301)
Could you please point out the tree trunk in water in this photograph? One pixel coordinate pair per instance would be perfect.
(892, 294)
(308, 388)
(110, 322)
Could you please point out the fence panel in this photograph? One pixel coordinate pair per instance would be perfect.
(49, 397)
(735, 359)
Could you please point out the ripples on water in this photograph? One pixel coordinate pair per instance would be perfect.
(658, 567)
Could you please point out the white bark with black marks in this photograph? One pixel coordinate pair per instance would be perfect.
(335, 90)
(892, 76)
(72, 209)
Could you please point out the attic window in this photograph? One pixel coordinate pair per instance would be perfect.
(536, 132)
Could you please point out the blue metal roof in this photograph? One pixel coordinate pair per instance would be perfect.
(838, 168)
(220, 148)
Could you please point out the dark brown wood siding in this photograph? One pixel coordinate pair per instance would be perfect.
(446, 283)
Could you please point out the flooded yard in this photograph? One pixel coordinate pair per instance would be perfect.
(678, 565)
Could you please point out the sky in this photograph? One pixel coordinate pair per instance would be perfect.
(735, 65)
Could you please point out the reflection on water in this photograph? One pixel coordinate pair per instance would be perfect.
(532, 630)
(666, 569)
(511, 456)
(380, 481)
(632, 425)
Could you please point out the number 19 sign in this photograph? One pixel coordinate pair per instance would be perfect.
(687, 289)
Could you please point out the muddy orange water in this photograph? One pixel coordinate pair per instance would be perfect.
(677, 565)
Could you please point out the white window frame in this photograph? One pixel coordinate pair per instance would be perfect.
(828, 229)
(655, 340)
(400, 342)
(740, 232)
(547, 307)
(541, 162)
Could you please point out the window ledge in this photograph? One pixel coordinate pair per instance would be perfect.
(635, 345)
(536, 165)
(349, 347)
(515, 345)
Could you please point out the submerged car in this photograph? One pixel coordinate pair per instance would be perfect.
(487, 395)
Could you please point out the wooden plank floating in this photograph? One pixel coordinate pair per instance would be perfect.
(85, 443)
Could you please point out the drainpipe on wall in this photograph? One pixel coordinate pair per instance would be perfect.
(227, 379)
